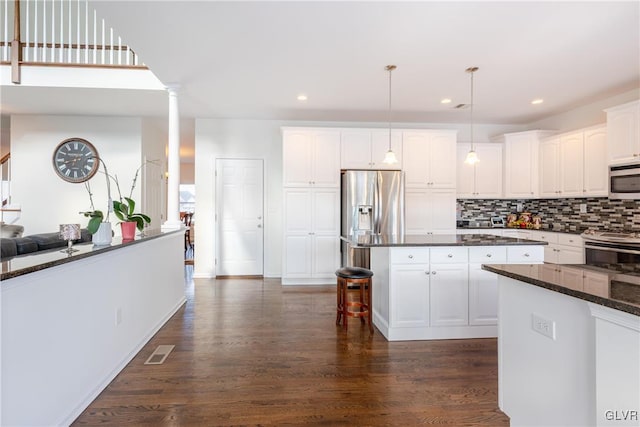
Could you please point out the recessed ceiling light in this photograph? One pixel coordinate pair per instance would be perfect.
(302, 97)
(445, 101)
(537, 101)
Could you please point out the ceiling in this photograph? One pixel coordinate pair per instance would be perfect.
(251, 59)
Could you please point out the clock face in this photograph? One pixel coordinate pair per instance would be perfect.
(75, 160)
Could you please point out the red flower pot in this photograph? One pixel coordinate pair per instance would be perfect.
(128, 230)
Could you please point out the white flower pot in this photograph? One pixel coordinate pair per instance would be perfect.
(103, 236)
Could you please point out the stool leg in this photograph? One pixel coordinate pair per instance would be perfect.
(362, 300)
(369, 303)
(339, 301)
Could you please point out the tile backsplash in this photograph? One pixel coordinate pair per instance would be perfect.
(560, 214)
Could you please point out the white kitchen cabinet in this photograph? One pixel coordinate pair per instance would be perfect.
(483, 285)
(623, 130)
(409, 295)
(311, 157)
(366, 148)
(574, 164)
(482, 180)
(562, 248)
(429, 158)
(429, 211)
(521, 153)
(596, 171)
(440, 292)
(311, 252)
(449, 290)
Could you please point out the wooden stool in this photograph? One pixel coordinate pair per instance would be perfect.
(354, 278)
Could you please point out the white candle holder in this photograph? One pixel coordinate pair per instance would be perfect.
(70, 232)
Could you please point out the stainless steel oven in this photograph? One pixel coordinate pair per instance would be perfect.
(607, 249)
(624, 181)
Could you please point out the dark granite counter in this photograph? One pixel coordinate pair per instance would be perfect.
(371, 241)
(610, 288)
(25, 264)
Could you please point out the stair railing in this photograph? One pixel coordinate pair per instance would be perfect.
(59, 32)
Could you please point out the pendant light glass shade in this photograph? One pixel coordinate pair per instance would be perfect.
(472, 156)
(390, 158)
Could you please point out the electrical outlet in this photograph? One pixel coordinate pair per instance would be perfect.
(583, 208)
(118, 316)
(543, 326)
(519, 207)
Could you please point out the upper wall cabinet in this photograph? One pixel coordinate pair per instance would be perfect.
(429, 158)
(623, 130)
(484, 179)
(521, 163)
(574, 164)
(366, 148)
(311, 157)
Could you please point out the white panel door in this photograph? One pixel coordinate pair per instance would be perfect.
(239, 194)
(297, 149)
(380, 146)
(297, 211)
(549, 176)
(483, 296)
(325, 211)
(488, 172)
(326, 159)
(571, 165)
(415, 155)
(449, 295)
(409, 295)
(465, 174)
(442, 160)
(297, 256)
(325, 256)
(442, 211)
(417, 208)
(355, 149)
(596, 171)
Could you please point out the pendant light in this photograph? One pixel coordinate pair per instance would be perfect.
(472, 157)
(390, 158)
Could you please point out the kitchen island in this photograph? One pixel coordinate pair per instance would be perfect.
(432, 286)
(569, 344)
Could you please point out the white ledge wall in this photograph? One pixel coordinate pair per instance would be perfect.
(61, 344)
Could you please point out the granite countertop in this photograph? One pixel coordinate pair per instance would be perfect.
(371, 240)
(29, 263)
(614, 289)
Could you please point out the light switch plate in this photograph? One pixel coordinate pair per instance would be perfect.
(583, 208)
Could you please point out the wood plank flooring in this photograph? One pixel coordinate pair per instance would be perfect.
(251, 352)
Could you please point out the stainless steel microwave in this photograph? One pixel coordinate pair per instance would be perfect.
(624, 181)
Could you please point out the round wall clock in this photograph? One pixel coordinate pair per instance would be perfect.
(75, 160)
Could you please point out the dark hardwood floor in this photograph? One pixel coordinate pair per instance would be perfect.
(251, 352)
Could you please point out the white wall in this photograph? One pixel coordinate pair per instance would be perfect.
(249, 139)
(585, 115)
(47, 200)
(262, 139)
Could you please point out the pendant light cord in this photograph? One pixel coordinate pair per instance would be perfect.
(390, 68)
(471, 70)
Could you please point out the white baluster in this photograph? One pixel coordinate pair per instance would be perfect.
(95, 36)
(128, 55)
(53, 31)
(35, 32)
(26, 51)
(78, 34)
(44, 32)
(70, 41)
(5, 50)
(86, 32)
(103, 46)
(111, 47)
(119, 51)
(61, 51)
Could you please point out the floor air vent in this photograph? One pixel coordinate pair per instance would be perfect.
(159, 355)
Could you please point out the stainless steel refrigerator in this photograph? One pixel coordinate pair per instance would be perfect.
(372, 203)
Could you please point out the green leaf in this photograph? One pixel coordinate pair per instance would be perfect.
(94, 224)
(132, 205)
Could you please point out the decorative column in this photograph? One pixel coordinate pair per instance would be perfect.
(173, 163)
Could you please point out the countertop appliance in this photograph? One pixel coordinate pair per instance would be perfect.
(624, 181)
(611, 249)
(497, 222)
(372, 202)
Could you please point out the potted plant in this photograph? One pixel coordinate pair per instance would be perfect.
(99, 228)
(130, 220)
(124, 209)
